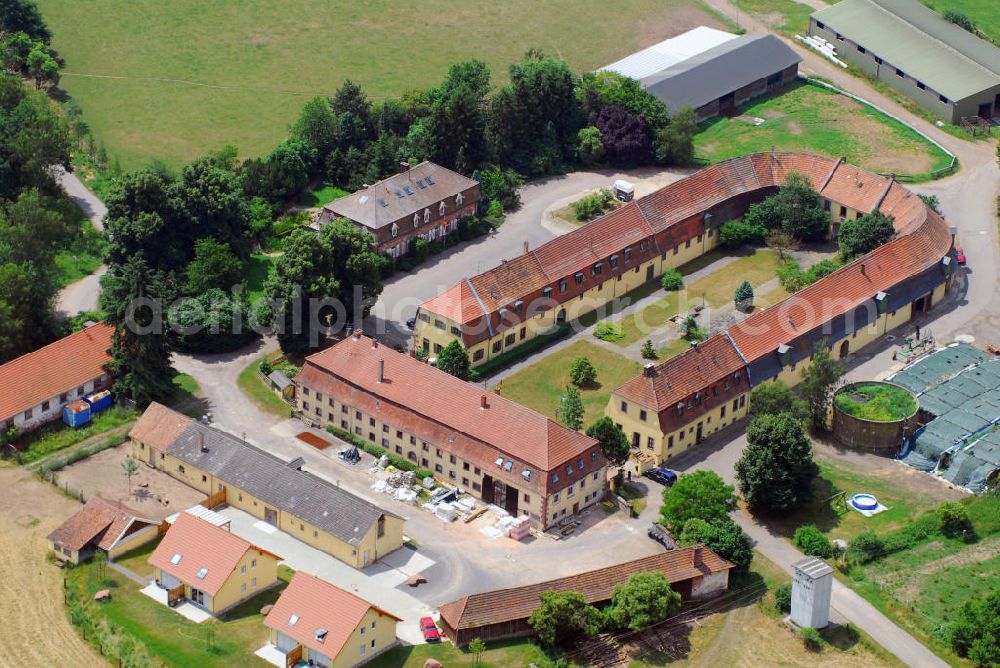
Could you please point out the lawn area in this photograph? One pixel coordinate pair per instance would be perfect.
(57, 436)
(168, 636)
(497, 655)
(253, 386)
(716, 288)
(323, 194)
(73, 267)
(259, 267)
(921, 588)
(806, 117)
(135, 560)
(541, 385)
(784, 16)
(982, 12)
(172, 80)
(896, 490)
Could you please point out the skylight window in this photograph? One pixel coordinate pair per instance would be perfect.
(382, 202)
(526, 474)
(408, 190)
(421, 184)
(430, 180)
(176, 559)
(364, 199)
(399, 194)
(499, 461)
(293, 620)
(202, 573)
(508, 465)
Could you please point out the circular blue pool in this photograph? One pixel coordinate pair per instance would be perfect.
(864, 502)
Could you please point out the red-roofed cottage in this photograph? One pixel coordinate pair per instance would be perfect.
(317, 622)
(496, 449)
(37, 385)
(101, 525)
(209, 566)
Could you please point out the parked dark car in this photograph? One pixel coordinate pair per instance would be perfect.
(665, 477)
(430, 630)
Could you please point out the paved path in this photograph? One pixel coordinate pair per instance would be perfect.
(82, 295)
(130, 574)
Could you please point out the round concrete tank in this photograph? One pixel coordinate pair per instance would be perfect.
(874, 416)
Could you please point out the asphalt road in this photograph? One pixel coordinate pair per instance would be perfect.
(81, 295)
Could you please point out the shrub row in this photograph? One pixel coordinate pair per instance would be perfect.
(523, 350)
(57, 463)
(377, 451)
(103, 635)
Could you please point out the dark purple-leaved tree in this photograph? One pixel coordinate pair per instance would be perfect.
(626, 138)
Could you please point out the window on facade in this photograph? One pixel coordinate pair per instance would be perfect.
(524, 333)
(596, 269)
(438, 348)
(427, 215)
(45, 406)
(861, 49)
(624, 407)
(562, 285)
(478, 355)
(649, 442)
(578, 276)
(642, 415)
(670, 441)
(455, 331)
(497, 345)
(942, 98)
(687, 244)
(509, 339)
(628, 254)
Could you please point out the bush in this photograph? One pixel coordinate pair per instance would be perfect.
(609, 331)
(783, 598)
(959, 19)
(376, 451)
(774, 398)
(812, 541)
(865, 547)
(582, 372)
(593, 205)
(735, 234)
(672, 281)
(953, 521)
(791, 277)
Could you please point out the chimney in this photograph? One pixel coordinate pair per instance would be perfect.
(404, 166)
(201, 442)
(357, 335)
(381, 370)
(862, 269)
(482, 402)
(649, 370)
(525, 246)
(374, 344)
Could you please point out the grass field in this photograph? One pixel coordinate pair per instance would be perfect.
(322, 194)
(259, 267)
(172, 80)
(784, 16)
(982, 12)
(541, 385)
(497, 655)
(57, 436)
(809, 118)
(716, 288)
(921, 588)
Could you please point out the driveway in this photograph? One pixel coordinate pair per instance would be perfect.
(82, 295)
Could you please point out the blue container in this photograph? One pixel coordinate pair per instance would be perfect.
(99, 401)
(76, 414)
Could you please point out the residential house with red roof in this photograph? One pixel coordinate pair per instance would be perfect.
(496, 449)
(316, 622)
(101, 525)
(209, 566)
(426, 201)
(39, 384)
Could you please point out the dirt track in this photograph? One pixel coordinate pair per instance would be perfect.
(36, 630)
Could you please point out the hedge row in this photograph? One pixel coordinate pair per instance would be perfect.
(509, 357)
(377, 451)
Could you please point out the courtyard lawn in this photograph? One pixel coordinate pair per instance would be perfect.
(321, 195)
(253, 386)
(809, 118)
(173, 80)
(169, 637)
(716, 289)
(136, 560)
(541, 385)
(57, 436)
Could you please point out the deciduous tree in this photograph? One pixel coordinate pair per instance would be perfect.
(818, 384)
(701, 494)
(564, 618)
(776, 397)
(570, 411)
(214, 266)
(644, 600)
(776, 470)
(614, 443)
(582, 372)
(453, 359)
(864, 234)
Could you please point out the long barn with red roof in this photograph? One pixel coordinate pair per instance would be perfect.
(674, 405)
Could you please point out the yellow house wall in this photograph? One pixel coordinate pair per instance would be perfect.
(132, 541)
(667, 445)
(73, 556)
(240, 585)
(438, 459)
(384, 635)
(586, 492)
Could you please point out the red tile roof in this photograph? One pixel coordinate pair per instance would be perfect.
(318, 605)
(508, 605)
(100, 521)
(201, 545)
(446, 411)
(159, 427)
(61, 366)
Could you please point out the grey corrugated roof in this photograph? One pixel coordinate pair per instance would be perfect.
(402, 195)
(720, 70)
(268, 478)
(918, 40)
(279, 379)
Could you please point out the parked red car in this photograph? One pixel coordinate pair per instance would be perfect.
(430, 630)
(959, 254)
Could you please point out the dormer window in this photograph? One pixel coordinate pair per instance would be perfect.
(613, 261)
(416, 221)
(395, 230)
(596, 270)
(547, 292)
(579, 277)
(680, 408)
(628, 254)
(427, 215)
(459, 198)
(442, 208)
(518, 305)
